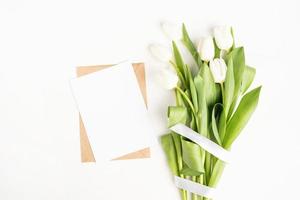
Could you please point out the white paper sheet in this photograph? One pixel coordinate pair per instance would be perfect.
(113, 111)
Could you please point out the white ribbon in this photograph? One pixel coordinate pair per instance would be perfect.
(204, 142)
(195, 188)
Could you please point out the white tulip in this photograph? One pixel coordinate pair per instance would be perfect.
(172, 31)
(167, 78)
(218, 69)
(206, 49)
(160, 52)
(223, 37)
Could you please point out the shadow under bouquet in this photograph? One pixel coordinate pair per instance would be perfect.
(213, 105)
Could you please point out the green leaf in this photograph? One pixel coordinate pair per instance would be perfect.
(208, 162)
(177, 143)
(178, 59)
(229, 86)
(240, 118)
(248, 78)
(222, 125)
(190, 46)
(202, 113)
(232, 34)
(179, 74)
(191, 155)
(212, 90)
(217, 50)
(186, 97)
(216, 173)
(238, 58)
(189, 79)
(179, 99)
(189, 172)
(187, 41)
(176, 114)
(193, 123)
(169, 149)
(214, 125)
(194, 94)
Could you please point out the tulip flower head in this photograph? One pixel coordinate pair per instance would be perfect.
(223, 37)
(167, 78)
(206, 49)
(160, 52)
(218, 69)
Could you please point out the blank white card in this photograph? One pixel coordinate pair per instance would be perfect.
(113, 111)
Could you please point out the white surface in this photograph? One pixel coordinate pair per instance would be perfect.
(113, 112)
(42, 42)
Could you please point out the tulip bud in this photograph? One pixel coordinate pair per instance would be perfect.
(161, 53)
(172, 31)
(167, 78)
(218, 69)
(206, 49)
(223, 37)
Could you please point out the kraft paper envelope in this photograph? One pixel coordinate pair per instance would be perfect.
(85, 147)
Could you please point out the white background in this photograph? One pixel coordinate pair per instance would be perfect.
(41, 42)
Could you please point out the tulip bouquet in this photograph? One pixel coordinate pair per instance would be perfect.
(214, 103)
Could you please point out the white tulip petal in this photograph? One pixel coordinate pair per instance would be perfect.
(206, 49)
(172, 31)
(200, 44)
(218, 69)
(160, 52)
(223, 37)
(167, 78)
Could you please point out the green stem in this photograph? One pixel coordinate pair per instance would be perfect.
(194, 196)
(183, 194)
(179, 74)
(201, 181)
(201, 178)
(198, 181)
(223, 93)
(187, 100)
(189, 103)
